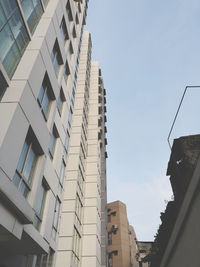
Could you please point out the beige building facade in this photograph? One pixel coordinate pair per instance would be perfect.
(122, 247)
(52, 138)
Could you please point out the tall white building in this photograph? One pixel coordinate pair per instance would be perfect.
(52, 138)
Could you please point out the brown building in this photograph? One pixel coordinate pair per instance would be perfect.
(121, 237)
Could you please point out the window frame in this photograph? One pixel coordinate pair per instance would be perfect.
(39, 216)
(64, 30)
(61, 100)
(56, 136)
(46, 93)
(67, 141)
(70, 117)
(67, 72)
(31, 150)
(69, 12)
(55, 225)
(49, 258)
(62, 174)
(56, 58)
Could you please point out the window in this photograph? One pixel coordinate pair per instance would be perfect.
(73, 98)
(45, 96)
(61, 100)
(110, 261)
(76, 247)
(62, 173)
(80, 180)
(52, 145)
(69, 11)
(13, 35)
(77, 20)
(32, 11)
(40, 204)
(79, 7)
(63, 30)
(67, 141)
(70, 50)
(55, 221)
(70, 117)
(78, 208)
(45, 260)
(110, 238)
(67, 72)
(74, 32)
(26, 165)
(3, 85)
(56, 58)
(75, 78)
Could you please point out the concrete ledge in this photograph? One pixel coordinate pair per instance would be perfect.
(14, 201)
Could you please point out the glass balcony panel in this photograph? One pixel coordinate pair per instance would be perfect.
(9, 53)
(19, 31)
(2, 18)
(32, 12)
(28, 8)
(38, 8)
(8, 6)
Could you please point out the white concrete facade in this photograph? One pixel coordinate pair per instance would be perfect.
(34, 146)
(80, 238)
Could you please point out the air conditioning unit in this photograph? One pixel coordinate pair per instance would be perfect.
(115, 226)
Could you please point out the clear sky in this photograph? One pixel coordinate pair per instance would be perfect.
(149, 50)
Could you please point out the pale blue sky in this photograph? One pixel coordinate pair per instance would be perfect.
(148, 51)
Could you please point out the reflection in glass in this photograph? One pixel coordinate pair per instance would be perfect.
(32, 11)
(13, 36)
